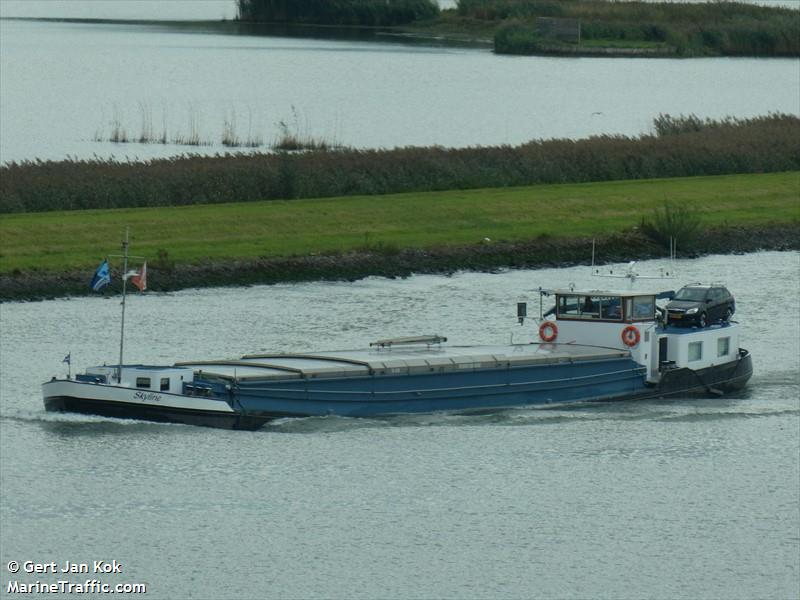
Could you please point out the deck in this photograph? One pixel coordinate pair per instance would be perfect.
(397, 361)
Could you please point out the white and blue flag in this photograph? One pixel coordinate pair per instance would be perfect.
(102, 277)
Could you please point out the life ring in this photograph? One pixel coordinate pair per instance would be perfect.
(630, 336)
(548, 331)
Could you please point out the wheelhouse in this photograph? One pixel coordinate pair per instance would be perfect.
(605, 307)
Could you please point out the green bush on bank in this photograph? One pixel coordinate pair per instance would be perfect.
(683, 146)
(672, 224)
(517, 38)
(337, 12)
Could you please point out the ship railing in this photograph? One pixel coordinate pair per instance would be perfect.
(428, 340)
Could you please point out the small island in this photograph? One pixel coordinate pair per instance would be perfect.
(561, 27)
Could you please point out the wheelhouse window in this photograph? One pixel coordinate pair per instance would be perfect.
(723, 346)
(165, 384)
(695, 351)
(606, 308)
(610, 308)
(569, 306)
(143, 382)
(644, 308)
(590, 307)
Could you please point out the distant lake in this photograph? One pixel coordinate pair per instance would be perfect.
(65, 88)
(159, 9)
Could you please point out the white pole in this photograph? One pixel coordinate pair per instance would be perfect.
(124, 290)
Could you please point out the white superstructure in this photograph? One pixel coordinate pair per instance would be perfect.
(631, 321)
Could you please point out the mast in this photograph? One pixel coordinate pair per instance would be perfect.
(124, 291)
(125, 274)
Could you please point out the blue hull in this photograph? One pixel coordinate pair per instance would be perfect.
(462, 391)
(249, 403)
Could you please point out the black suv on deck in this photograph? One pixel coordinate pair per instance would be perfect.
(699, 304)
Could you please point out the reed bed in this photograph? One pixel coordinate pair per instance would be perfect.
(291, 136)
(294, 137)
(681, 147)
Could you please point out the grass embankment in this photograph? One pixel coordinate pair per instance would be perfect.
(386, 226)
(663, 28)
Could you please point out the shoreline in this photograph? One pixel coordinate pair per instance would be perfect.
(438, 32)
(542, 252)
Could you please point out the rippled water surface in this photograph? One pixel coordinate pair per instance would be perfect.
(681, 499)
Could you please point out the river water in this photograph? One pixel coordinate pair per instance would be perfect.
(66, 89)
(682, 499)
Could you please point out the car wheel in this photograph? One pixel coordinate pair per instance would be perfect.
(702, 320)
(728, 314)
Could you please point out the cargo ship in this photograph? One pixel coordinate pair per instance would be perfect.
(591, 346)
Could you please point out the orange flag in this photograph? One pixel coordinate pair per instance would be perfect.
(140, 278)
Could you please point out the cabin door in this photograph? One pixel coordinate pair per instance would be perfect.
(663, 351)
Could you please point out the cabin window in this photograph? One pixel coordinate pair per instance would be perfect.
(165, 384)
(695, 351)
(644, 307)
(610, 308)
(723, 346)
(143, 382)
(569, 306)
(590, 307)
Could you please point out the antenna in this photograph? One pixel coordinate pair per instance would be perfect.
(630, 272)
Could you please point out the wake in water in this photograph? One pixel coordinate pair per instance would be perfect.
(773, 396)
(661, 410)
(80, 424)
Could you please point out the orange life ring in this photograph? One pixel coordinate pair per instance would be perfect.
(548, 331)
(630, 336)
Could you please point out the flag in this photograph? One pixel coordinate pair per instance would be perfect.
(68, 358)
(102, 277)
(139, 278)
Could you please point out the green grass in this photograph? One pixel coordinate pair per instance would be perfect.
(59, 241)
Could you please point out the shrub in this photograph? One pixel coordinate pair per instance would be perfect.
(670, 223)
(516, 38)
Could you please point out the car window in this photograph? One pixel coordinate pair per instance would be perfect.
(691, 294)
